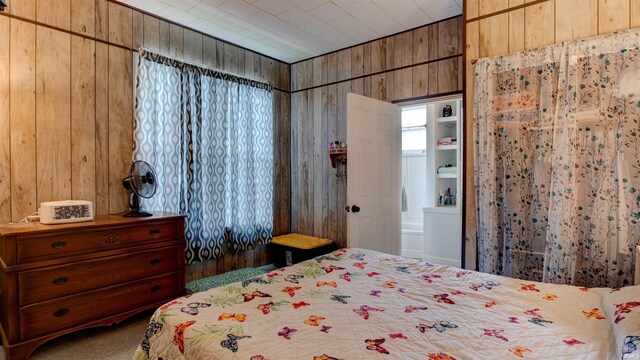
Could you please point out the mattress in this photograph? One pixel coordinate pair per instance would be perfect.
(361, 304)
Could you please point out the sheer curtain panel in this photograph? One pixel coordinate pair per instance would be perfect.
(557, 133)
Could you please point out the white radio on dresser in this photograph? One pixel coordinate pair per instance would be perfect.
(68, 211)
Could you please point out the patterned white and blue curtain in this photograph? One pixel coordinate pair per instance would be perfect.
(557, 161)
(209, 137)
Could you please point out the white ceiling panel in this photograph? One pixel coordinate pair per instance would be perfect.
(293, 30)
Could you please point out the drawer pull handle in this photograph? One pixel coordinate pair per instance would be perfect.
(156, 288)
(154, 232)
(154, 261)
(61, 312)
(60, 280)
(58, 244)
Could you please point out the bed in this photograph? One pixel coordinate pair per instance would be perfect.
(361, 304)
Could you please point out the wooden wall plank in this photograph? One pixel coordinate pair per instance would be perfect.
(24, 9)
(5, 128)
(493, 33)
(325, 165)
(164, 36)
(613, 15)
(516, 30)
(575, 27)
(209, 53)
(83, 116)
(472, 9)
(333, 211)
(303, 168)
(120, 25)
(151, 33)
(403, 84)
(539, 22)
(83, 17)
(332, 67)
(402, 50)
(491, 6)
(472, 48)
(447, 76)
(634, 13)
(295, 166)
(176, 41)
(433, 42)
(344, 64)
(250, 70)
(268, 70)
(284, 72)
(378, 55)
(102, 129)
(379, 86)
(318, 69)
(193, 46)
(102, 19)
(420, 84)
(421, 44)
(23, 119)
(120, 126)
(138, 29)
(231, 56)
(283, 170)
(448, 36)
(319, 152)
(53, 114)
(54, 12)
(341, 201)
(357, 61)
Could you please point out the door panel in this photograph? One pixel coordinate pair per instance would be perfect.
(374, 140)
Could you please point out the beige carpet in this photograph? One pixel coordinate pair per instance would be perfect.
(117, 342)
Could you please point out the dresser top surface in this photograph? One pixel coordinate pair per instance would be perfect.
(14, 229)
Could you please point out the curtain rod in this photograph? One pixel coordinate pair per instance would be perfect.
(200, 65)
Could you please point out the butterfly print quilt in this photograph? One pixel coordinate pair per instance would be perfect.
(362, 304)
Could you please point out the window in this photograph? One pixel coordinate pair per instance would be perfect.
(414, 129)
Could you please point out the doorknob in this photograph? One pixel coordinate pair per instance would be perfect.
(355, 208)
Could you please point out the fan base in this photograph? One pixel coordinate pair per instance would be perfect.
(137, 214)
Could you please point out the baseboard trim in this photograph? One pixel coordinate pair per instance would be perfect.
(267, 268)
(442, 261)
(414, 254)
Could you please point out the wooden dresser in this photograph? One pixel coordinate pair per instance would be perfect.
(56, 279)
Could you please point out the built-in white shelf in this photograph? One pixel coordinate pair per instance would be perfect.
(448, 119)
(447, 147)
(443, 224)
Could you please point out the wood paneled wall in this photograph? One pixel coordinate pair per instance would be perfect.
(498, 27)
(67, 101)
(424, 62)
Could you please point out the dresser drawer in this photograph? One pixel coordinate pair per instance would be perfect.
(43, 248)
(53, 282)
(50, 316)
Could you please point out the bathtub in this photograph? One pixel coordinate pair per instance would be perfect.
(412, 240)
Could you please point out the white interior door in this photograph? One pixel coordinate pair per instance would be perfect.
(373, 184)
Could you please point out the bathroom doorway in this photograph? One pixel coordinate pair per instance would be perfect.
(414, 178)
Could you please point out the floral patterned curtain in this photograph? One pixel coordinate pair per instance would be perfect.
(557, 150)
(209, 136)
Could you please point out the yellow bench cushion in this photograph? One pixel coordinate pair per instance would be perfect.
(299, 241)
